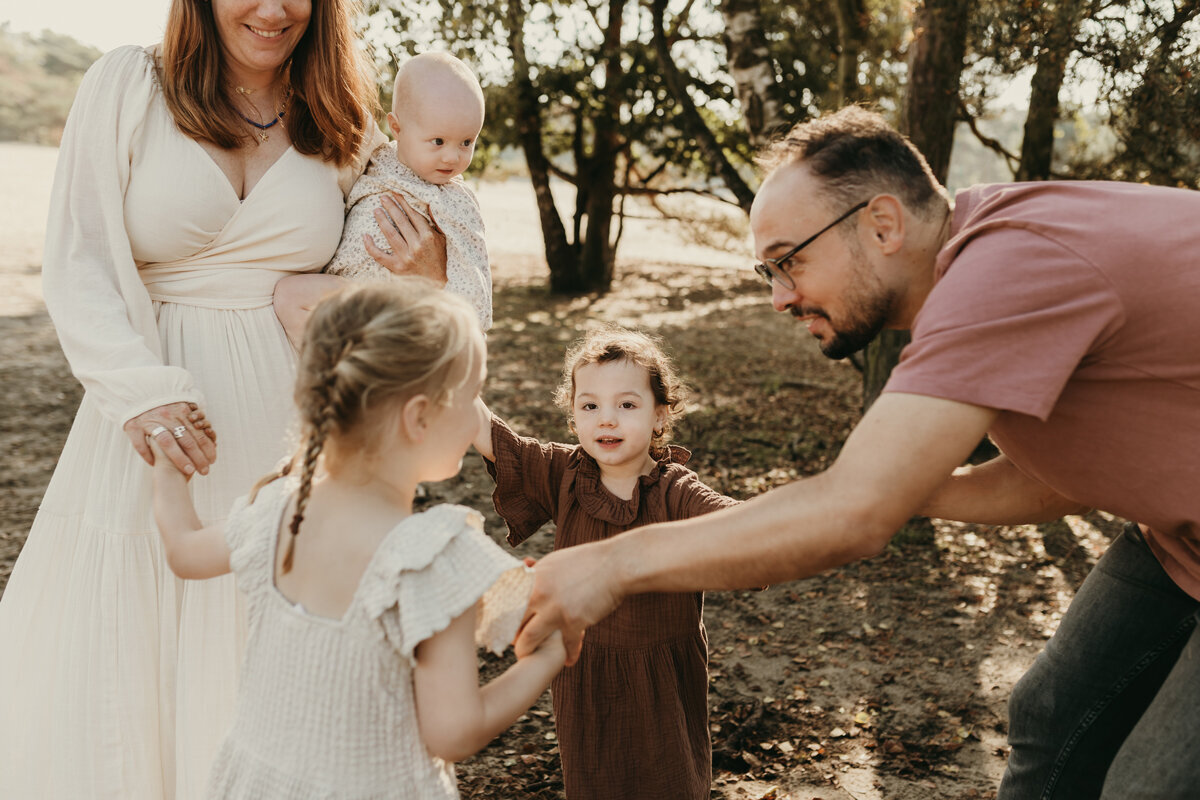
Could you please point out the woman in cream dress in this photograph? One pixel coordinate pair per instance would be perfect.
(162, 252)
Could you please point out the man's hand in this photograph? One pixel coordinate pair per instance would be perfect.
(572, 589)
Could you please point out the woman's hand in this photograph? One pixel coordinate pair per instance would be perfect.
(418, 247)
(181, 431)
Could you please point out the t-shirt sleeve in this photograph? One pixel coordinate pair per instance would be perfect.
(528, 476)
(1012, 318)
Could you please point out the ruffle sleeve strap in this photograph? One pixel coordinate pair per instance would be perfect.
(433, 569)
(101, 310)
(251, 530)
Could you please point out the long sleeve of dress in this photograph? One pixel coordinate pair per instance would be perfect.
(101, 310)
(528, 477)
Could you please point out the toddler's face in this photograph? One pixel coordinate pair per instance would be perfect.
(434, 140)
(615, 415)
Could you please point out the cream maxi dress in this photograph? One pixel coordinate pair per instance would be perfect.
(116, 679)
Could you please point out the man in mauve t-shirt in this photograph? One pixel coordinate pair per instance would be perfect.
(1061, 319)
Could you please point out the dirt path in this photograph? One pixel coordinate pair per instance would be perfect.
(884, 680)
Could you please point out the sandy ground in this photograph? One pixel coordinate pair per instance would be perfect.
(884, 680)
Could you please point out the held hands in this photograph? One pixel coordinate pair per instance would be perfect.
(418, 247)
(572, 589)
(182, 434)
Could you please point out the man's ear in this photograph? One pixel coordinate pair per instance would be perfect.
(885, 221)
(414, 417)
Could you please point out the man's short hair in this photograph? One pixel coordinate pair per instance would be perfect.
(857, 155)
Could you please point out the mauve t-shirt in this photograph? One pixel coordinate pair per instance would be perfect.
(1074, 309)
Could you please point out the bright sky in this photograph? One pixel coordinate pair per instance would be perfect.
(101, 24)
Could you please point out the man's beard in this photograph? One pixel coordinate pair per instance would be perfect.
(871, 306)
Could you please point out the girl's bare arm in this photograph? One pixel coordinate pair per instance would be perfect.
(457, 716)
(192, 550)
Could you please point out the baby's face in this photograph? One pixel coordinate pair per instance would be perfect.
(434, 140)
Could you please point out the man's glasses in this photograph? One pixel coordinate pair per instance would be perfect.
(772, 268)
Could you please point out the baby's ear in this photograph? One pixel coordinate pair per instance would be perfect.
(393, 123)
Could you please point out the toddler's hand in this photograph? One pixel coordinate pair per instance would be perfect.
(164, 469)
(552, 649)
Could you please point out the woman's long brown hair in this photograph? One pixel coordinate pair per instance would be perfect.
(334, 96)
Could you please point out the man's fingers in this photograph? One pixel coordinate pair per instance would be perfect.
(573, 643)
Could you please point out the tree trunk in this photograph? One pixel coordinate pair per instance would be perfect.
(1037, 144)
(851, 20)
(753, 71)
(598, 171)
(935, 63)
(561, 256)
(693, 122)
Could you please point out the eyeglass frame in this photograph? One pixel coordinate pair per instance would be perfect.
(770, 269)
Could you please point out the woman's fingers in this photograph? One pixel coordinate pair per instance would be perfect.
(190, 446)
(417, 246)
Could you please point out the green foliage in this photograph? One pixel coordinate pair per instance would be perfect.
(39, 74)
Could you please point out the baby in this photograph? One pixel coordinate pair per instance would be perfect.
(436, 116)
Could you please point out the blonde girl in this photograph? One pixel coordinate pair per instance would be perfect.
(632, 714)
(360, 676)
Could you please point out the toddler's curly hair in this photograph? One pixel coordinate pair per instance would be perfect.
(613, 343)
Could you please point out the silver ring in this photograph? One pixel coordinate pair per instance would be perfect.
(178, 431)
(157, 430)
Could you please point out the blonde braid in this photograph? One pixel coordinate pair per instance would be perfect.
(325, 423)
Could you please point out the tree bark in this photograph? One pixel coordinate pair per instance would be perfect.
(754, 72)
(1037, 143)
(851, 22)
(598, 172)
(561, 255)
(935, 64)
(693, 122)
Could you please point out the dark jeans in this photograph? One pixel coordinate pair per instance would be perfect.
(1111, 707)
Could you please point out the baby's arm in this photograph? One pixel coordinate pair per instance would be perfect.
(192, 550)
(457, 716)
(295, 298)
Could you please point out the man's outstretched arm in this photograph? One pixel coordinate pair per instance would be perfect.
(904, 448)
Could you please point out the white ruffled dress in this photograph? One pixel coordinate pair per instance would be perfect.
(117, 681)
(326, 706)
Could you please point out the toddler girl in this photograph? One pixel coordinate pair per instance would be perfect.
(360, 677)
(632, 714)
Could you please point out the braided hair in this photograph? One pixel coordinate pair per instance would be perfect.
(365, 348)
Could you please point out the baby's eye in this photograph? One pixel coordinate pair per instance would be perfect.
(629, 404)
(467, 142)
(588, 407)
(438, 141)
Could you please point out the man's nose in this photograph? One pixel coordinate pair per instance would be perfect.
(783, 298)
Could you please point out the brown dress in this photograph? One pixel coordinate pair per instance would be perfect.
(632, 714)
